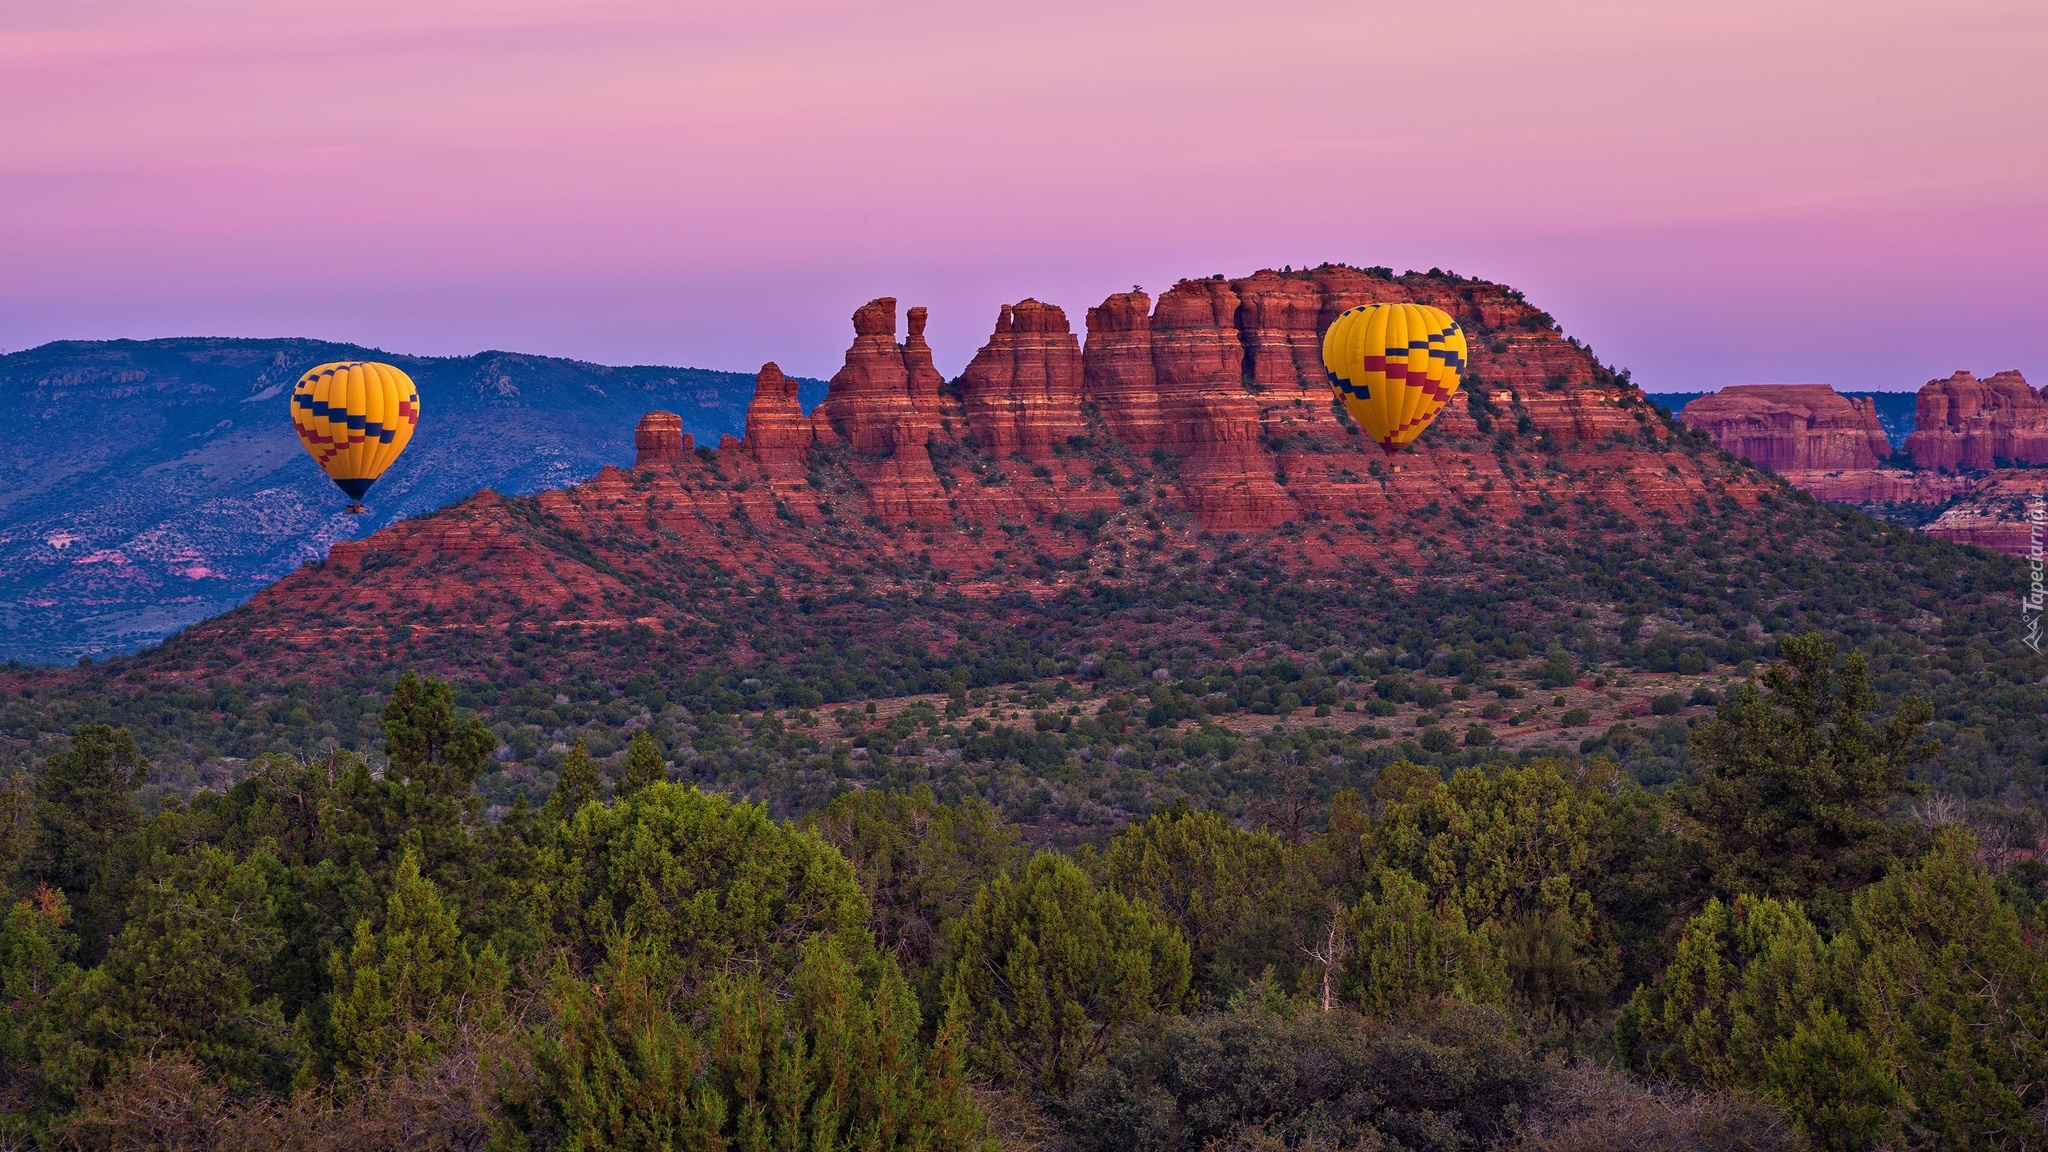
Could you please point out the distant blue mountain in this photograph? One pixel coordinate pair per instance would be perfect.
(149, 484)
(1894, 410)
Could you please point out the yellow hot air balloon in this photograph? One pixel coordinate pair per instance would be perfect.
(1394, 366)
(355, 417)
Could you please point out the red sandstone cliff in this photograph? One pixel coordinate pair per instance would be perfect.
(1221, 382)
(1966, 423)
(884, 404)
(1022, 391)
(1791, 427)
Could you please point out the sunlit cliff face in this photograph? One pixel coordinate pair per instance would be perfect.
(1709, 192)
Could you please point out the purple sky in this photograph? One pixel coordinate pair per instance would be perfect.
(1710, 193)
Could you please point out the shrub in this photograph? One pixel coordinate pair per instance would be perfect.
(1595, 1109)
(1256, 1078)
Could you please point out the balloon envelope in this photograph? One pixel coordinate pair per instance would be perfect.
(1394, 366)
(355, 417)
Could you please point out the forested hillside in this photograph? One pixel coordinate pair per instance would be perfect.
(1542, 953)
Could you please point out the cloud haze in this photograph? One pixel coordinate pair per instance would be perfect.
(1708, 192)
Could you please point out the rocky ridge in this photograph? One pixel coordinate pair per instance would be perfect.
(1175, 428)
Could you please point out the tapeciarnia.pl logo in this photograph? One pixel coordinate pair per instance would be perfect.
(2035, 598)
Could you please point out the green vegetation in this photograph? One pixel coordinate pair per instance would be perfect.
(1174, 664)
(324, 955)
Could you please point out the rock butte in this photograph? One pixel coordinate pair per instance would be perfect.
(1966, 423)
(1171, 426)
(1792, 427)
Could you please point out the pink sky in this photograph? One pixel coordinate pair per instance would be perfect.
(1709, 193)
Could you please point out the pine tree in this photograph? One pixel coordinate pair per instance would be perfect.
(436, 757)
(426, 800)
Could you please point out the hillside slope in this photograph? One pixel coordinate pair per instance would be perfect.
(150, 484)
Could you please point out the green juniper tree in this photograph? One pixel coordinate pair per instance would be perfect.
(194, 969)
(578, 784)
(920, 864)
(703, 884)
(1407, 950)
(1051, 968)
(1236, 896)
(1923, 1019)
(408, 987)
(643, 765)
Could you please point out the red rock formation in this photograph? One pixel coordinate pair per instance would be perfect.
(660, 439)
(1209, 419)
(1966, 423)
(1022, 392)
(1227, 378)
(871, 393)
(1791, 427)
(1117, 373)
(924, 378)
(884, 404)
(1279, 323)
(777, 433)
